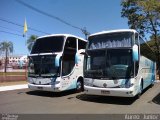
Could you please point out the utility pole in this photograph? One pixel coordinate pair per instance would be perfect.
(85, 32)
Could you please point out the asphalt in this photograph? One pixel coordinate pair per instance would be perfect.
(13, 87)
(24, 86)
(26, 101)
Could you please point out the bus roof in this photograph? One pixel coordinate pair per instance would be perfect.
(113, 31)
(65, 35)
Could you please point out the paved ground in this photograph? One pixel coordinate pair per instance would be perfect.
(33, 102)
(2, 84)
(13, 87)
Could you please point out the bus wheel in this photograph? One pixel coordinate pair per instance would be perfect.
(140, 91)
(79, 87)
(152, 84)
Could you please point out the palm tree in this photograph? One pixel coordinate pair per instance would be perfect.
(30, 42)
(6, 47)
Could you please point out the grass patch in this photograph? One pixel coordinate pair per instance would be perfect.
(12, 83)
(12, 73)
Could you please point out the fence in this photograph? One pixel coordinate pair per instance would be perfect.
(13, 75)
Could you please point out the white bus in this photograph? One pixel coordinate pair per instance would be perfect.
(55, 63)
(118, 63)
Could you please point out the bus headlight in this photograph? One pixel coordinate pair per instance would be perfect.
(57, 82)
(122, 86)
(88, 84)
(54, 83)
(127, 85)
(30, 80)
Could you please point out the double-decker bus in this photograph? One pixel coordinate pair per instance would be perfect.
(118, 63)
(56, 63)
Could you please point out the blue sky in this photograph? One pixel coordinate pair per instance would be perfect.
(95, 15)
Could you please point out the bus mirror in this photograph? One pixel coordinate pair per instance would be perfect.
(76, 58)
(57, 60)
(135, 54)
(83, 53)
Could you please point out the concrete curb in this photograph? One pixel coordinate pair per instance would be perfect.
(157, 81)
(23, 86)
(13, 87)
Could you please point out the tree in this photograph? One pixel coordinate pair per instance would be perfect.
(144, 16)
(6, 47)
(30, 42)
(0, 63)
(151, 43)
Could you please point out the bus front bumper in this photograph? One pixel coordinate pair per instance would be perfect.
(120, 92)
(51, 88)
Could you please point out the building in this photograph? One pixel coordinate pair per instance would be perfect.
(14, 61)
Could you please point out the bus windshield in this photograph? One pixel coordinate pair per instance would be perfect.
(42, 66)
(109, 63)
(111, 40)
(48, 45)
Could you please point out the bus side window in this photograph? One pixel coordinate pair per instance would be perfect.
(81, 44)
(68, 60)
(136, 39)
(137, 43)
(70, 44)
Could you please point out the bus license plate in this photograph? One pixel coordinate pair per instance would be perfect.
(41, 88)
(105, 92)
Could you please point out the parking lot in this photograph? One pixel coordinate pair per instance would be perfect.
(25, 101)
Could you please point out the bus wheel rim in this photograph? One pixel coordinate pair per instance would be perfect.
(79, 85)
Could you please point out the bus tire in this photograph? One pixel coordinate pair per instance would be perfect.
(79, 85)
(152, 84)
(140, 90)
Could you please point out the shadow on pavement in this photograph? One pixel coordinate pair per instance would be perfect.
(106, 99)
(50, 94)
(156, 99)
(113, 100)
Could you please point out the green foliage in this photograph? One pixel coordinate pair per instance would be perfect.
(152, 43)
(143, 15)
(6, 46)
(150, 5)
(30, 42)
(136, 20)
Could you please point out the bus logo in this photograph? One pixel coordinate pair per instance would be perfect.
(105, 85)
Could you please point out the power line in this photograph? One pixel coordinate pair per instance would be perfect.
(4, 20)
(10, 29)
(46, 14)
(11, 33)
(13, 29)
(83, 30)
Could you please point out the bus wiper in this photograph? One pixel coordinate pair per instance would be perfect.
(53, 75)
(113, 77)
